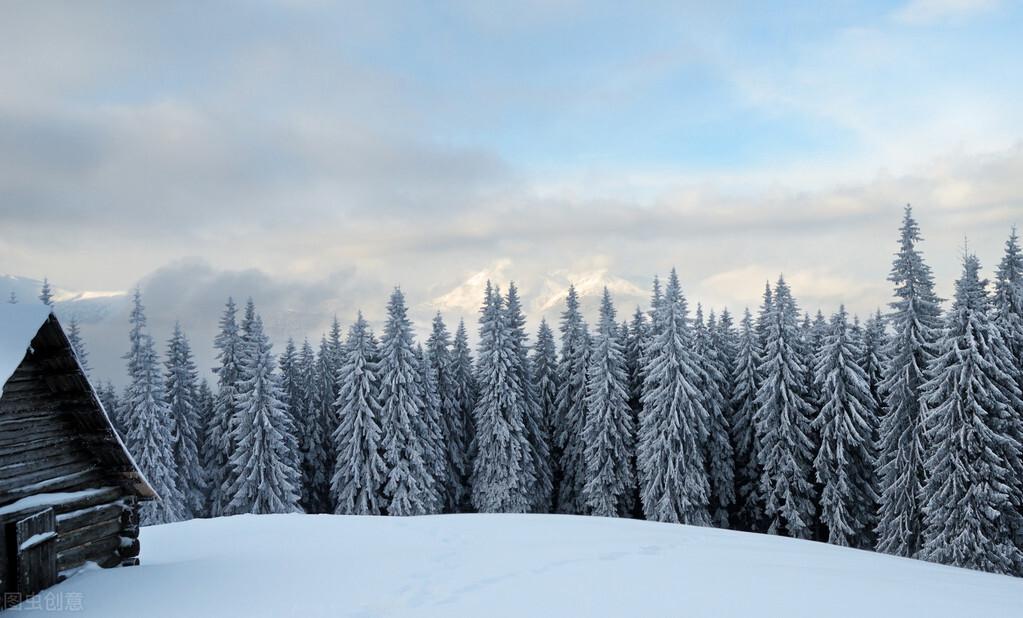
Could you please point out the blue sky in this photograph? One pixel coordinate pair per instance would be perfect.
(322, 152)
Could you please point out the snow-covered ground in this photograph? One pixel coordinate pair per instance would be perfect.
(516, 565)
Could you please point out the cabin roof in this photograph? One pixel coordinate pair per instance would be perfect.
(32, 328)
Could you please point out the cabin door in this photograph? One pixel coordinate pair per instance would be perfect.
(36, 547)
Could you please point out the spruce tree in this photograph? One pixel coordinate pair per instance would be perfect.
(316, 425)
(571, 422)
(181, 380)
(438, 348)
(410, 485)
(782, 419)
(435, 453)
(46, 293)
(1008, 299)
(545, 375)
(846, 459)
(266, 477)
(503, 477)
(13, 298)
(463, 389)
(745, 384)
(714, 387)
(360, 472)
(74, 335)
(674, 484)
(218, 443)
(149, 425)
(609, 434)
(541, 490)
(111, 403)
(972, 494)
(915, 320)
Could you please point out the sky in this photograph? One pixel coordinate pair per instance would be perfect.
(313, 155)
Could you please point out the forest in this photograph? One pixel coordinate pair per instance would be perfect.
(902, 433)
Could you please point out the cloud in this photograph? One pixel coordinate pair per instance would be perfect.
(928, 11)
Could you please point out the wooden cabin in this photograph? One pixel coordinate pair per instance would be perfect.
(69, 489)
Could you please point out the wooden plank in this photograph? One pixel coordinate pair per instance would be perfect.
(101, 551)
(88, 534)
(46, 480)
(36, 537)
(80, 518)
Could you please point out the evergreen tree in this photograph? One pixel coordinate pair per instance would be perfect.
(503, 474)
(181, 380)
(541, 491)
(108, 397)
(972, 494)
(609, 434)
(266, 478)
(463, 390)
(410, 485)
(915, 320)
(846, 458)
(316, 426)
(46, 293)
(570, 429)
(149, 426)
(74, 335)
(674, 484)
(13, 298)
(782, 419)
(545, 375)
(714, 387)
(435, 453)
(1008, 301)
(207, 403)
(360, 472)
(220, 426)
(451, 483)
(745, 383)
(291, 382)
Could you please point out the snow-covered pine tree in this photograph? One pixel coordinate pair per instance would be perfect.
(451, 484)
(181, 380)
(266, 478)
(502, 477)
(218, 443)
(782, 419)
(1008, 299)
(764, 316)
(410, 484)
(46, 293)
(846, 459)
(149, 425)
(207, 402)
(972, 494)
(541, 491)
(463, 388)
(291, 382)
(13, 298)
(360, 472)
(745, 383)
(74, 335)
(435, 454)
(635, 338)
(714, 387)
(875, 344)
(111, 403)
(335, 357)
(316, 425)
(674, 484)
(545, 374)
(609, 432)
(916, 322)
(571, 422)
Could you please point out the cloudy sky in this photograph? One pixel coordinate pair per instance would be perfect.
(314, 155)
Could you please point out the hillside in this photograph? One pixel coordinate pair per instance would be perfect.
(516, 565)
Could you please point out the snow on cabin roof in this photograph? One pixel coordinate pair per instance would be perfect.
(19, 324)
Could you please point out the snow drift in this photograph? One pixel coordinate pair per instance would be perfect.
(516, 565)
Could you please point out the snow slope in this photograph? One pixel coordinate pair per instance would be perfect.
(517, 565)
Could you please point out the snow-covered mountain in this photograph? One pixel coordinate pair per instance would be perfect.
(88, 306)
(515, 565)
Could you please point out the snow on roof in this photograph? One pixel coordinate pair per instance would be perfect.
(19, 324)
